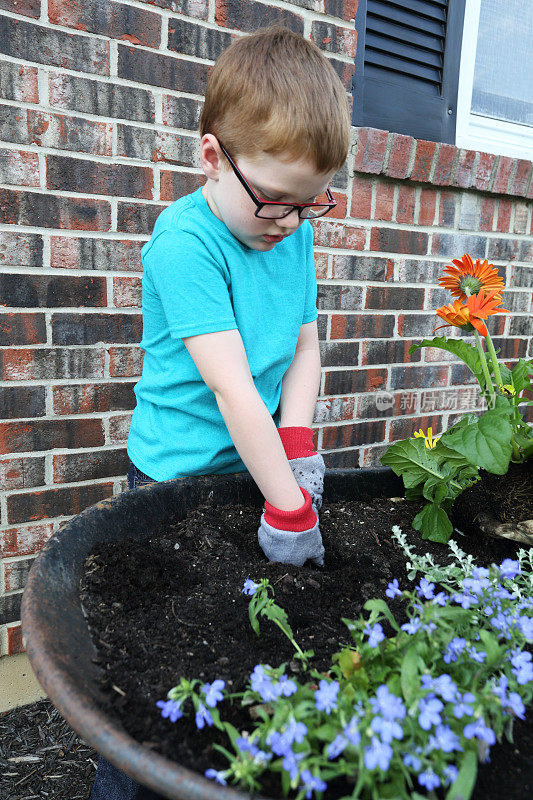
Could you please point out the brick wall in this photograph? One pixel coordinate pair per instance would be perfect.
(100, 103)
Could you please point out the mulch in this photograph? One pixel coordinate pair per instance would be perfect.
(41, 756)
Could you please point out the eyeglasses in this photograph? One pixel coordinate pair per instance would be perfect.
(271, 209)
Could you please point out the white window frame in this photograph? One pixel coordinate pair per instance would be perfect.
(476, 132)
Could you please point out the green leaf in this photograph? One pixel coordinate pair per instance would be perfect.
(520, 375)
(377, 606)
(409, 673)
(463, 786)
(486, 444)
(468, 353)
(433, 523)
(412, 460)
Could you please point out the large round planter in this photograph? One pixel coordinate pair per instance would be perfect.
(56, 635)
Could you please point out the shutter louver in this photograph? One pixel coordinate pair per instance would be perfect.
(405, 50)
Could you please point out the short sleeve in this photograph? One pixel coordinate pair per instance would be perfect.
(310, 310)
(191, 285)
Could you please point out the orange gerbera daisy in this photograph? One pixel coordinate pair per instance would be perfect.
(478, 307)
(474, 278)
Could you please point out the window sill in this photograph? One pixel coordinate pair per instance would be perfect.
(405, 158)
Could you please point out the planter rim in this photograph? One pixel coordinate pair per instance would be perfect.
(65, 673)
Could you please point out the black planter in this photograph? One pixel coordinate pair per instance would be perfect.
(56, 635)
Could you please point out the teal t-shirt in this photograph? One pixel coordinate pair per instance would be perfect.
(198, 278)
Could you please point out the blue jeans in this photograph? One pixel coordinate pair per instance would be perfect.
(110, 783)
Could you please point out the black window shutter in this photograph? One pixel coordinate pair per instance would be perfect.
(407, 66)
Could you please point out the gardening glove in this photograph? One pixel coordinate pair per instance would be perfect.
(291, 536)
(307, 465)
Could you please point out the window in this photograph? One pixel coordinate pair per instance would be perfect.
(455, 71)
(495, 101)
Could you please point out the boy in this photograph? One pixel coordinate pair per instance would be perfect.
(229, 295)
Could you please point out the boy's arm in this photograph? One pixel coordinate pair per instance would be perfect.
(301, 382)
(221, 361)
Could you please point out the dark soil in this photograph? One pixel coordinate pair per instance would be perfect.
(41, 758)
(173, 607)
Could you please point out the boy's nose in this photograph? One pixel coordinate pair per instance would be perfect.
(292, 220)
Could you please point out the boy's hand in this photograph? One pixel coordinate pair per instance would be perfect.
(307, 465)
(291, 537)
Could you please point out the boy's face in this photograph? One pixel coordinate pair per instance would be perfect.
(271, 179)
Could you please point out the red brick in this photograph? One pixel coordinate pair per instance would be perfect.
(418, 376)
(26, 8)
(95, 254)
(331, 234)
(444, 167)
(343, 9)
(62, 132)
(17, 328)
(334, 409)
(503, 173)
(95, 464)
(18, 168)
(23, 541)
(87, 398)
(398, 240)
(406, 426)
(405, 210)
(137, 217)
(520, 217)
(394, 297)
(350, 381)
(21, 83)
(49, 211)
(28, 506)
(447, 207)
(16, 574)
(127, 292)
(87, 176)
(354, 434)
(504, 215)
(119, 427)
(14, 640)
(321, 264)
(37, 435)
(44, 363)
(177, 184)
(22, 473)
(21, 250)
(384, 200)
(486, 213)
(249, 16)
(361, 326)
(333, 38)
(484, 170)
(114, 20)
(463, 171)
(362, 268)
(400, 156)
(371, 145)
(521, 178)
(388, 352)
(361, 197)
(425, 152)
(125, 362)
(339, 212)
(428, 203)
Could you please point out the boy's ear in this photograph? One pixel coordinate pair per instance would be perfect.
(211, 156)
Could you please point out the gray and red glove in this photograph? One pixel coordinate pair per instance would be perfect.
(291, 536)
(307, 465)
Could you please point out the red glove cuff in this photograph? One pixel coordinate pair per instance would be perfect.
(302, 519)
(298, 442)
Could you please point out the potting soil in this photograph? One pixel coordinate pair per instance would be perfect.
(173, 606)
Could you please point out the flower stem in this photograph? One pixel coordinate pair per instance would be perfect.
(495, 365)
(479, 345)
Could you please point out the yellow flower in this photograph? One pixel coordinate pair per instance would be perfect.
(430, 440)
(507, 389)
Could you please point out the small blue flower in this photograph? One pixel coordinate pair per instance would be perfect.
(509, 568)
(326, 696)
(388, 729)
(351, 731)
(213, 692)
(450, 774)
(250, 587)
(312, 783)
(412, 626)
(443, 686)
(454, 649)
(465, 600)
(217, 776)
(378, 754)
(429, 779)
(522, 666)
(526, 626)
(463, 707)
(514, 703)
(440, 599)
(170, 709)
(479, 730)
(262, 684)
(444, 739)
(393, 589)
(429, 708)
(290, 763)
(203, 716)
(425, 589)
(336, 747)
(285, 687)
(387, 704)
(412, 761)
(375, 634)
(476, 655)
(476, 585)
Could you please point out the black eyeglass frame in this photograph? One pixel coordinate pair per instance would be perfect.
(260, 203)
